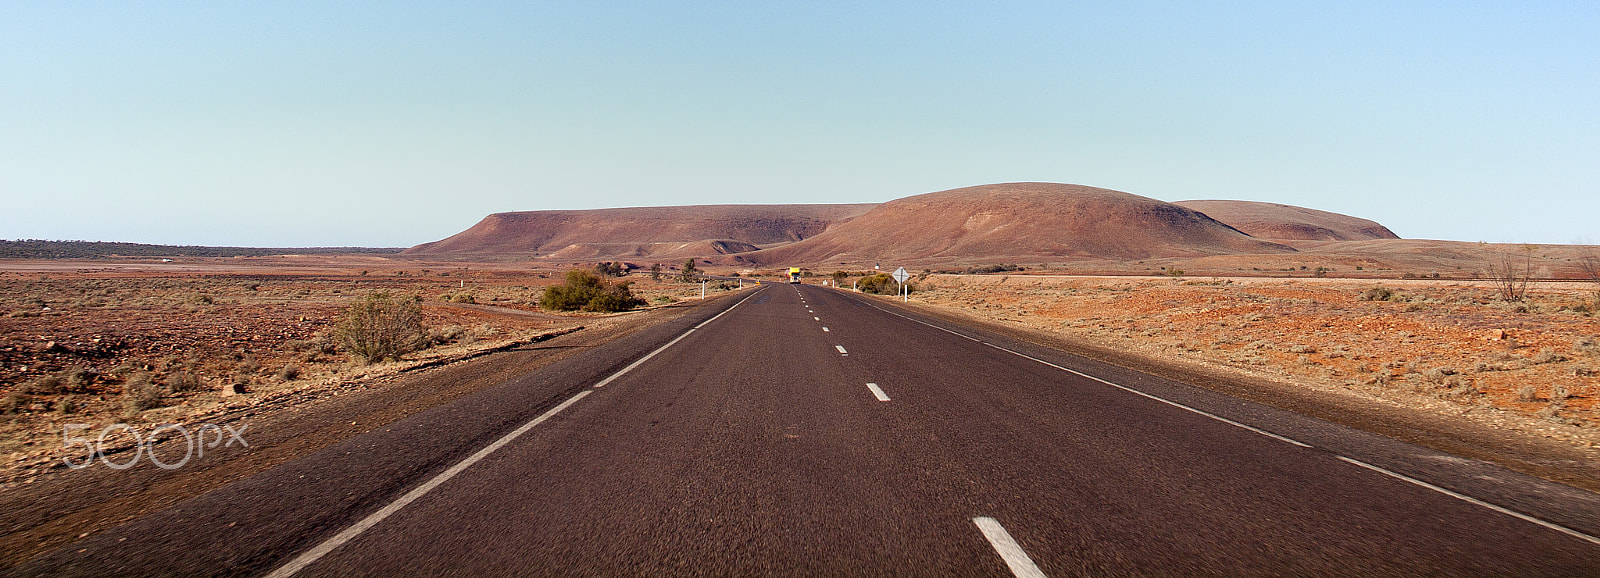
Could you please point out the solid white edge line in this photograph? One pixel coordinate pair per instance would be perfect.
(1157, 398)
(878, 392)
(1472, 500)
(1021, 565)
(1118, 386)
(841, 349)
(647, 357)
(310, 556)
(1459, 496)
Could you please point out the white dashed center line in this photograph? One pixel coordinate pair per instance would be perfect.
(817, 318)
(878, 392)
(841, 349)
(1021, 565)
(824, 329)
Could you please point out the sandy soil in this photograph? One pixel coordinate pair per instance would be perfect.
(217, 335)
(1449, 348)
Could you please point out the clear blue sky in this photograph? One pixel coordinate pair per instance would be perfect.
(392, 124)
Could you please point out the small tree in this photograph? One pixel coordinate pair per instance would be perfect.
(655, 272)
(610, 269)
(380, 327)
(690, 273)
(1511, 274)
(1589, 264)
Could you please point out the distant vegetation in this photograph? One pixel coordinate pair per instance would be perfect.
(37, 249)
(586, 291)
(997, 268)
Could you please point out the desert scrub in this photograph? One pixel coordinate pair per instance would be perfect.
(380, 327)
(289, 372)
(184, 381)
(587, 292)
(139, 394)
(1379, 293)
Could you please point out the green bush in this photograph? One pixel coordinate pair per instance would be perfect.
(882, 284)
(380, 327)
(996, 268)
(690, 273)
(585, 291)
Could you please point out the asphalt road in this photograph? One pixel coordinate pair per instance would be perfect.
(803, 430)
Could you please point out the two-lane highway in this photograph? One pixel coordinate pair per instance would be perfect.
(807, 430)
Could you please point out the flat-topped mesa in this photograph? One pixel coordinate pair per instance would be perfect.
(1290, 223)
(643, 231)
(1021, 221)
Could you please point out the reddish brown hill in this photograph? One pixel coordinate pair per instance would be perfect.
(1286, 222)
(642, 231)
(1019, 220)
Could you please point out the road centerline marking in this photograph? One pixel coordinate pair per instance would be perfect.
(824, 329)
(841, 349)
(309, 557)
(817, 318)
(878, 392)
(1021, 565)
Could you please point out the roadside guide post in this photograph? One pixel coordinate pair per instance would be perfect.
(900, 276)
(702, 288)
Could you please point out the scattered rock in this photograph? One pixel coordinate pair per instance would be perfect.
(1496, 335)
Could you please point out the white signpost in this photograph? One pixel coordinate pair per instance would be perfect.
(900, 276)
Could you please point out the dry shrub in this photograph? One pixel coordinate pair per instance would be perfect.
(76, 379)
(184, 381)
(289, 372)
(46, 385)
(13, 401)
(248, 365)
(1547, 355)
(446, 334)
(380, 327)
(139, 394)
(1379, 293)
(1528, 393)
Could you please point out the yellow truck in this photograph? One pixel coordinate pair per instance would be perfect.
(794, 274)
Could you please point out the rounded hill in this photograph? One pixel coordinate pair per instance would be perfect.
(1290, 223)
(1020, 220)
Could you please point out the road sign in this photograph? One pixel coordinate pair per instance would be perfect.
(900, 275)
